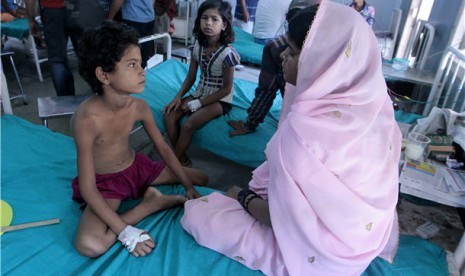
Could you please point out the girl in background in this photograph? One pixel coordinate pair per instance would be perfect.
(366, 10)
(213, 96)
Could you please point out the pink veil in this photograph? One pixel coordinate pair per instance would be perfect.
(331, 179)
(333, 163)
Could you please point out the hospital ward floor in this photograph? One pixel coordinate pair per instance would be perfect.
(222, 172)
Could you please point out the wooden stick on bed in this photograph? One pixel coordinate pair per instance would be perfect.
(29, 225)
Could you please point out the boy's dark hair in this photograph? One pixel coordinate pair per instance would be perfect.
(224, 9)
(300, 24)
(103, 46)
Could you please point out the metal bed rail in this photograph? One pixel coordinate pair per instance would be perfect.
(156, 37)
(448, 86)
(420, 43)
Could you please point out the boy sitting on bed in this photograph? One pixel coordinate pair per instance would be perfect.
(109, 171)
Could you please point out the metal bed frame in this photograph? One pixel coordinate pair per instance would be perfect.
(420, 43)
(448, 86)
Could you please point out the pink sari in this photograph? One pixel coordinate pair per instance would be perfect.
(331, 179)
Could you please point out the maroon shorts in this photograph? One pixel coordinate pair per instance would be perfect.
(129, 183)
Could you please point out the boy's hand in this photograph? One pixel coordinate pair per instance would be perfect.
(138, 242)
(143, 248)
(191, 193)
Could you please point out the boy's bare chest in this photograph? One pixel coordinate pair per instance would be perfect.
(114, 131)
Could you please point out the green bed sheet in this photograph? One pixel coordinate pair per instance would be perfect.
(246, 47)
(37, 166)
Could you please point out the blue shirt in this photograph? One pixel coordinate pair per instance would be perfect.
(11, 4)
(251, 8)
(138, 10)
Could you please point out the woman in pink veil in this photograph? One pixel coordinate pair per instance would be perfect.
(324, 202)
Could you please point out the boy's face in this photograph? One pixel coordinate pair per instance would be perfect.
(128, 76)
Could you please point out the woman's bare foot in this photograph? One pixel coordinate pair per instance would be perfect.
(155, 201)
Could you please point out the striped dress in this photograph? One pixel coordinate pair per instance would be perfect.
(211, 77)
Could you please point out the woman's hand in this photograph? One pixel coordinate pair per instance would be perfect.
(255, 206)
(173, 105)
(233, 192)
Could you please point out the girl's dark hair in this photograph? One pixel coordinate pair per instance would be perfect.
(224, 9)
(103, 46)
(300, 24)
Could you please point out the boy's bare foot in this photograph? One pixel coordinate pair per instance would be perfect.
(154, 200)
(239, 128)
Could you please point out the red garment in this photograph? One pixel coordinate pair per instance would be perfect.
(52, 4)
(162, 4)
(129, 183)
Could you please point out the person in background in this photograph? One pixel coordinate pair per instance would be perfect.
(244, 15)
(233, 4)
(105, 4)
(57, 32)
(324, 201)
(215, 58)
(10, 11)
(367, 11)
(270, 16)
(164, 11)
(139, 14)
(270, 80)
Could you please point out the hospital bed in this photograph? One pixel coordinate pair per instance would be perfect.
(36, 180)
(19, 28)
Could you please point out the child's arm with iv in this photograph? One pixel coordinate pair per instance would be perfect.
(175, 104)
(228, 78)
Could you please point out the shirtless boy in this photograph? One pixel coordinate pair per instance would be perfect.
(109, 171)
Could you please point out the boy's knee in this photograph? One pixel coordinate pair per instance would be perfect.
(90, 248)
